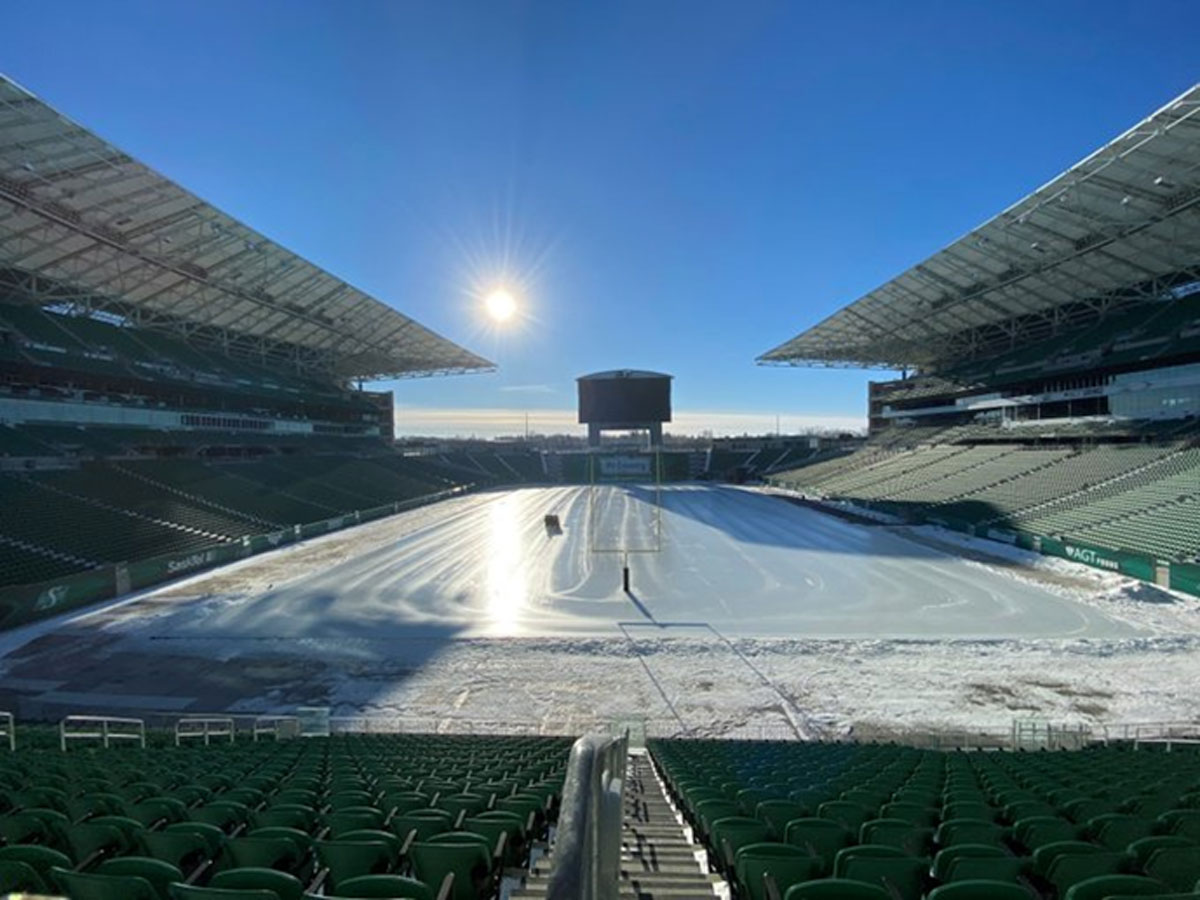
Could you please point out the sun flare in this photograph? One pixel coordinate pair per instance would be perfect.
(501, 305)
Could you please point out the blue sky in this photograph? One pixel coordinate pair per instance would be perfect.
(674, 186)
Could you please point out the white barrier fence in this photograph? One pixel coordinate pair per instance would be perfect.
(278, 727)
(8, 729)
(204, 728)
(105, 729)
(1022, 734)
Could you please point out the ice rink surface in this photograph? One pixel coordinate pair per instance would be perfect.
(745, 563)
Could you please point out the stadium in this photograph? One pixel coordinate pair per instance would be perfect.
(253, 648)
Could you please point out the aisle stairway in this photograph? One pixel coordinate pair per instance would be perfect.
(657, 859)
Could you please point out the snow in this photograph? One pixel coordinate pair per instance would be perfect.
(749, 615)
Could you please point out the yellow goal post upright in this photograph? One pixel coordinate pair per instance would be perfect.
(626, 480)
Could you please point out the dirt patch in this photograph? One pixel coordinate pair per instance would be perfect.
(983, 694)
(1069, 690)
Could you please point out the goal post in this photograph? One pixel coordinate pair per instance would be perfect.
(625, 503)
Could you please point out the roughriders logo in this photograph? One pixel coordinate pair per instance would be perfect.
(1091, 557)
(51, 597)
(188, 562)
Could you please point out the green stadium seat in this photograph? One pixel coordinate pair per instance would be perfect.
(40, 859)
(1044, 856)
(1176, 867)
(350, 859)
(784, 863)
(496, 824)
(22, 828)
(822, 838)
(943, 860)
(424, 827)
(777, 813)
(980, 890)
(923, 816)
(405, 801)
(1116, 830)
(969, 831)
(224, 815)
(158, 873)
(730, 834)
(468, 863)
(181, 850)
(1144, 848)
(158, 809)
(86, 886)
(912, 838)
(708, 811)
(1069, 869)
(279, 853)
(195, 892)
(977, 868)
(1036, 831)
(1105, 886)
(849, 814)
(967, 809)
(89, 840)
(1184, 822)
(836, 889)
(902, 877)
(391, 887)
(353, 818)
(19, 877)
(301, 841)
(281, 884)
(286, 815)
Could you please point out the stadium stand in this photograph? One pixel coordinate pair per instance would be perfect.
(173, 381)
(1050, 361)
(1126, 496)
(817, 820)
(349, 816)
(76, 516)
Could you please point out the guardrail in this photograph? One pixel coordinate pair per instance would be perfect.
(111, 728)
(278, 727)
(204, 727)
(587, 849)
(1139, 733)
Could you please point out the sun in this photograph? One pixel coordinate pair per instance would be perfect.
(500, 305)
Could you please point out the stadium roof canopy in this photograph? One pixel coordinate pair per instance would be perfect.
(84, 224)
(1121, 227)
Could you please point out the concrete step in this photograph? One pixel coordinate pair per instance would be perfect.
(658, 862)
(646, 881)
(629, 892)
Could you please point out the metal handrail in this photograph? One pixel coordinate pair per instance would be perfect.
(105, 733)
(587, 848)
(8, 729)
(279, 727)
(206, 727)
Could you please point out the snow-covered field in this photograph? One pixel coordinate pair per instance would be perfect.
(748, 614)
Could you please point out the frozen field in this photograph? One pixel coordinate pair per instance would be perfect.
(745, 610)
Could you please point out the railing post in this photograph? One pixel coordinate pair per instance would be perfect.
(587, 849)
